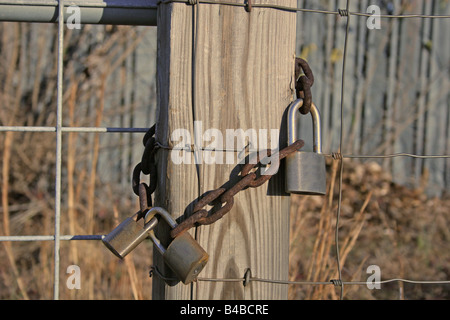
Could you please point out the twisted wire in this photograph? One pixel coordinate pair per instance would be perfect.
(343, 12)
(247, 278)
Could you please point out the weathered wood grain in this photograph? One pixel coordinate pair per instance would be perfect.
(241, 77)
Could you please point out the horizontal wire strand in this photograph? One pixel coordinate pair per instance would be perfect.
(335, 282)
(341, 12)
(50, 238)
(69, 129)
(211, 2)
(338, 156)
(335, 155)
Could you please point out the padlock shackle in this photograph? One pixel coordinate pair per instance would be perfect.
(316, 125)
(156, 242)
(163, 213)
(150, 216)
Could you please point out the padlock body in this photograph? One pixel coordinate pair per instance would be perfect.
(126, 236)
(306, 173)
(185, 257)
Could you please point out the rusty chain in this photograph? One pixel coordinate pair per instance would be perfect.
(221, 199)
(147, 166)
(304, 83)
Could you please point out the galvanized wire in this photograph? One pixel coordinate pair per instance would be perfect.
(341, 12)
(341, 141)
(50, 238)
(83, 3)
(58, 147)
(337, 283)
(70, 129)
(395, 155)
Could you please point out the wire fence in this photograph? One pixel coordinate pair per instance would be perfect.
(59, 129)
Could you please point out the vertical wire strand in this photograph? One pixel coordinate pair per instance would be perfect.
(341, 169)
(195, 12)
(58, 148)
(197, 152)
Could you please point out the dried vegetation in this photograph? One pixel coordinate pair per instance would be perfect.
(381, 223)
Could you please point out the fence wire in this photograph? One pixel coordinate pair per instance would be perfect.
(59, 129)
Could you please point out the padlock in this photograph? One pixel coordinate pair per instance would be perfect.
(128, 235)
(305, 171)
(183, 255)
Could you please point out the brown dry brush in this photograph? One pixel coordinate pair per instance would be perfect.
(399, 229)
(28, 98)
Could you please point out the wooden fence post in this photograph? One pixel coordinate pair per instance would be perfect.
(221, 67)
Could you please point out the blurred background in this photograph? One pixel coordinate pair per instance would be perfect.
(395, 210)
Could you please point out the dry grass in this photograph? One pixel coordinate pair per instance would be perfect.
(381, 223)
(401, 230)
(28, 162)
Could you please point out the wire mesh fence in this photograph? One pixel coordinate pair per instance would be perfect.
(59, 129)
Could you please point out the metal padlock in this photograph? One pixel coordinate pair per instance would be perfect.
(305, 171)
(128, 235)
(183, 255)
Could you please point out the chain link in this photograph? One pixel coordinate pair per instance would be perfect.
(222, 199)
(304, 83)
(147, 166)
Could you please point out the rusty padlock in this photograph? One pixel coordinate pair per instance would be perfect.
(305, 171)
(183, 255)
(128, 235)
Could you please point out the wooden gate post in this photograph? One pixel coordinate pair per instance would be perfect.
(221, 68)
